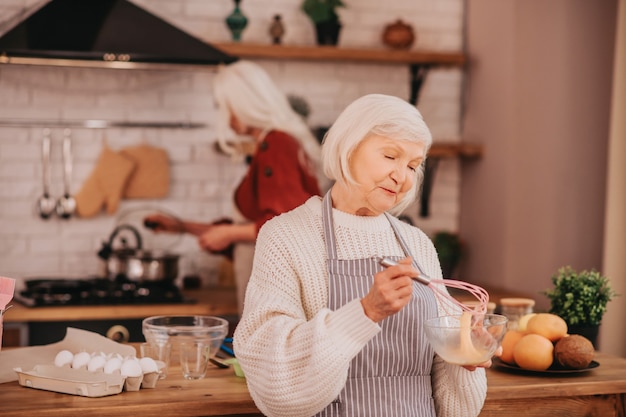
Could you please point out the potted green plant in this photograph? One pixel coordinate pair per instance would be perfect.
(323, 14)
(449, 250)
(580, 298)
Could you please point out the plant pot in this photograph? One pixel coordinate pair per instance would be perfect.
(327, 33)
(588, 331)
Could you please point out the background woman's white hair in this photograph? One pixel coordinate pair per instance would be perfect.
(373, 114)
(247, 90)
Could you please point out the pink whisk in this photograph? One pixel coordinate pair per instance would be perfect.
(450, 304)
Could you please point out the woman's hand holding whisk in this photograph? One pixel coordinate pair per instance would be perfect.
(390, 292)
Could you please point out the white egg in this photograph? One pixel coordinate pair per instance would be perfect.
(148, 365)
(112, 365)
(64, 357)
(96, 363)
(81, 359)
(131, 368)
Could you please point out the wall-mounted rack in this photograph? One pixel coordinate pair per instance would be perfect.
(99, 124)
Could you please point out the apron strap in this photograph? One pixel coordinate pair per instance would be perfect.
(403, 243)
(329, 228)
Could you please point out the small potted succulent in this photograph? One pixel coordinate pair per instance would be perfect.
(580, 298)
(323, 13)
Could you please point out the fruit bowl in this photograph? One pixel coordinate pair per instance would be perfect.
(177, 329)
(466, 339)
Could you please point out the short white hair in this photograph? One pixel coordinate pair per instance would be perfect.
(245, 89)
(373, 114)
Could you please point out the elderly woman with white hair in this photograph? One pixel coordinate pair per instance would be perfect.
(282, 172)
(326, 330)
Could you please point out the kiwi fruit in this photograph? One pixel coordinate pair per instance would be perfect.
(574, 352)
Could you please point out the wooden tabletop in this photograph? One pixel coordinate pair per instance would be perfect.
(608, 378)
(215, 301)
(222, 393)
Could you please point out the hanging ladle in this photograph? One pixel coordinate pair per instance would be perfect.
(66, 205)
(46, 204)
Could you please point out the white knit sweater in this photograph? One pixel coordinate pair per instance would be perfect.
(294, 351)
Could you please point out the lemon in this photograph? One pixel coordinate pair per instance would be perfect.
(523, 321)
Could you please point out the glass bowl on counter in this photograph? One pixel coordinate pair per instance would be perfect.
(180, 329)
(466, 339)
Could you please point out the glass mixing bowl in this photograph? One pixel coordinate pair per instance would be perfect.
(178, 329)
(467, 339)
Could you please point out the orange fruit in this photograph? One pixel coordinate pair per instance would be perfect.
(533, 352)
(509, 341)
(547, 325)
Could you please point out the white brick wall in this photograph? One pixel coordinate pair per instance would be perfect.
(202, 181)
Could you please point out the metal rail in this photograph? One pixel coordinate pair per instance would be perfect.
(100, 124)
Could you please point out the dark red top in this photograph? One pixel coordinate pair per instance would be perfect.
(275, 181)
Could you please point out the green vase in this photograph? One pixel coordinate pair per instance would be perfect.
(236, 22)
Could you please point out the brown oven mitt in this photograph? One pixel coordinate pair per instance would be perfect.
(105, 185)
(151, 177)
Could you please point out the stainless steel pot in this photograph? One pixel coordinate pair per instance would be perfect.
(141, 266)
(135, 263)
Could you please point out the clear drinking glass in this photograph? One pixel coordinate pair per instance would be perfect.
(194, 358)
(160, 352)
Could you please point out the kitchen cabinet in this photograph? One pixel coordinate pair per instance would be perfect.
(599, 392)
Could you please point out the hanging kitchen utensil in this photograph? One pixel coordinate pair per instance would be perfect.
(66, 205)
(46, 204)
(450, 304)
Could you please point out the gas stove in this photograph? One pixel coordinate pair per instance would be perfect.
(97, 291)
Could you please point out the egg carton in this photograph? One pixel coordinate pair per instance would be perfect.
(87, 376)
(71, 381)
(88, 372)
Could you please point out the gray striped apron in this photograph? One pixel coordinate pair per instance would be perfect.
(391, 375)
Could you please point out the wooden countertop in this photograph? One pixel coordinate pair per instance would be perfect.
(215, 301)
(221, 393)
(599, 392)
(608, 378)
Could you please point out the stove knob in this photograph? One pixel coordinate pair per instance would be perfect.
(118, 333)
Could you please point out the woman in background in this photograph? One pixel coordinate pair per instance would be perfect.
(326, 330)
(282, 172)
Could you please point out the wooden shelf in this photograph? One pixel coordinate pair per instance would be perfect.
(436, 151)
(332, 53)
(456, 150)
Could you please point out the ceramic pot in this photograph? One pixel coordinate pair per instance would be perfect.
(588, 331)
(327, 32)
(398, 35)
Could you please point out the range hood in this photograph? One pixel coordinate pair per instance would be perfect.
(103, 33)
